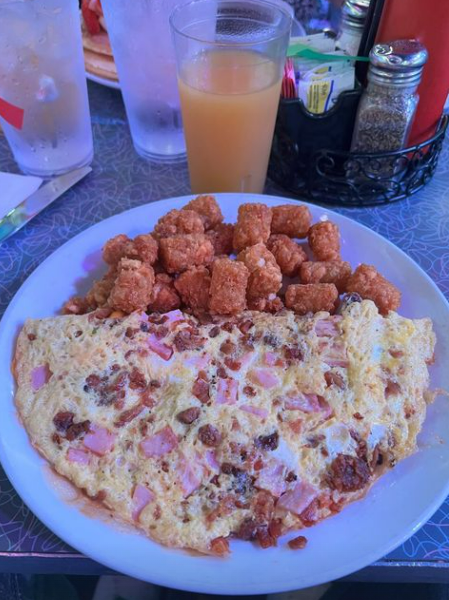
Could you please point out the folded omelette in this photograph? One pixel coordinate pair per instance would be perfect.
(245, 427)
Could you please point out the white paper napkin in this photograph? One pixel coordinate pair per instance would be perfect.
(14, 189)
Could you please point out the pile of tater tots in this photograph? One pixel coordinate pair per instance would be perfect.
(271, 259)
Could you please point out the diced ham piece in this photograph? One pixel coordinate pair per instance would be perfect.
(159, 347)
(270, 359)
(335, 356)
(297, 498)
(328, 327)
(78, 456)
(211, 461)
(189, 478)
(199, 362)
(254, 410)
(99, 440)
(246, 358)
(227, 391)
(307, 403)
(173, 317)
(264, 378)
(141, 497)
(325, 408)
(40, 376)
(296, 425)
(272, 478)
(160, 443)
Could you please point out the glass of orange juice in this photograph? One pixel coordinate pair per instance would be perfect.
(230, 58)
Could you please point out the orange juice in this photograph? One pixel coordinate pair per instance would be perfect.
(229, 101)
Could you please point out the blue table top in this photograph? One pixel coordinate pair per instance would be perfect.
(121, 180)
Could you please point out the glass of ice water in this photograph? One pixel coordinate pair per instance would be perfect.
(141, 43)
(42, 73)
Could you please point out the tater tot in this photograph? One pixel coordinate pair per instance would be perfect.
(291, 220)
(253, 225)
(222, 236)
(164, 297)
(99, 293)
(228, 287)
(208, 209)
(265, 275)
(324, 241)
(178, 222)
(193, 286)
(180, 252)
(331, 271)
(288, 254)
(271, 304)
(133, 287)
(311, 298)
(76, 306)
(371, 285)
(144, 248)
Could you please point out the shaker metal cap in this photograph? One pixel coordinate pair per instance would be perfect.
(400, 55)
(354, 12)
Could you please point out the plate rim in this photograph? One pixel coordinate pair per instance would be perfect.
(208, 587)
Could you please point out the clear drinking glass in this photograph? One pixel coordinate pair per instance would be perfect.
(42, 72)
(140, 38)
(230, 63)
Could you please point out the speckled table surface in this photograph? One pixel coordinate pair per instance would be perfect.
(121, 180)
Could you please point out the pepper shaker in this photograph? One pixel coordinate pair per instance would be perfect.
(388, 105)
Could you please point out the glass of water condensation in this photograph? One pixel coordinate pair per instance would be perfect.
(42, 73)
(141, 43)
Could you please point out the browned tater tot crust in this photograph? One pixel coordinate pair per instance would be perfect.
(271, 305)
(324, 241)
(144, 248)
(291, 220)
(265, 275)
(133, 287)
(180, 252)
(311, 298)
(228, 287)
(208, 209)
(288, 254)
(164, 297)
(371, 285)
(193, 286)
(331, 271)
(253, 225)
(222, 236)
(177, 222)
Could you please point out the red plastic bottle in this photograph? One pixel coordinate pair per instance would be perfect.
(427, 21)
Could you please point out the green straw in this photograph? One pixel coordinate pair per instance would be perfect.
(301, 51)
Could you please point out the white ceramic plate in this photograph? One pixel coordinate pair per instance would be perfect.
(103, 81)
(393, 510)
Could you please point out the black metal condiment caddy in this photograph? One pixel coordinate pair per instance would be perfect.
(311, 158)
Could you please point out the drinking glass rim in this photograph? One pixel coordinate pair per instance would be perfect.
(224, 43)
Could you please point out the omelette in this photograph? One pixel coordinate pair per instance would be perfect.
(244, 427)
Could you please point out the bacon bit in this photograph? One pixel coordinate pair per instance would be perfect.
(233, 365)
(249, 391)
(271, 340)
(78, 456)
(254, 410)
(396, 353)
(293, 354)
(358, 416)
(227, 326)
(56, 438)
(297, 498)
(263, 506)
(214, 332)
(392, 389)
(275, 528)
(309, 516)
(130, 332)
(268, 442)
(245, 326)
(247, 530)
(154, 383)
(141, 497)
(298, 543)
(161, 332)
(264, 378)
(161, 349)
(77, 429)
(264, 537)
(40, 376)
(200, 390)
(128, 415)
(332, 378)
(258, 465)
(160, 443)
(215, 481)
(227, 347)
(173, 317)
(222, 373)
(209, 435)
(225, 507)
(220, 546)
(31, 337)
(146, 399)
(189, 415)
(227, 391)
(100, 496)
(188, 339)
(137, 380)
(296, 426)
(62, 420)
(157, 513)
(348, 473)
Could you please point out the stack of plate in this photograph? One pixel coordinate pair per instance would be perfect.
(98, 59)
